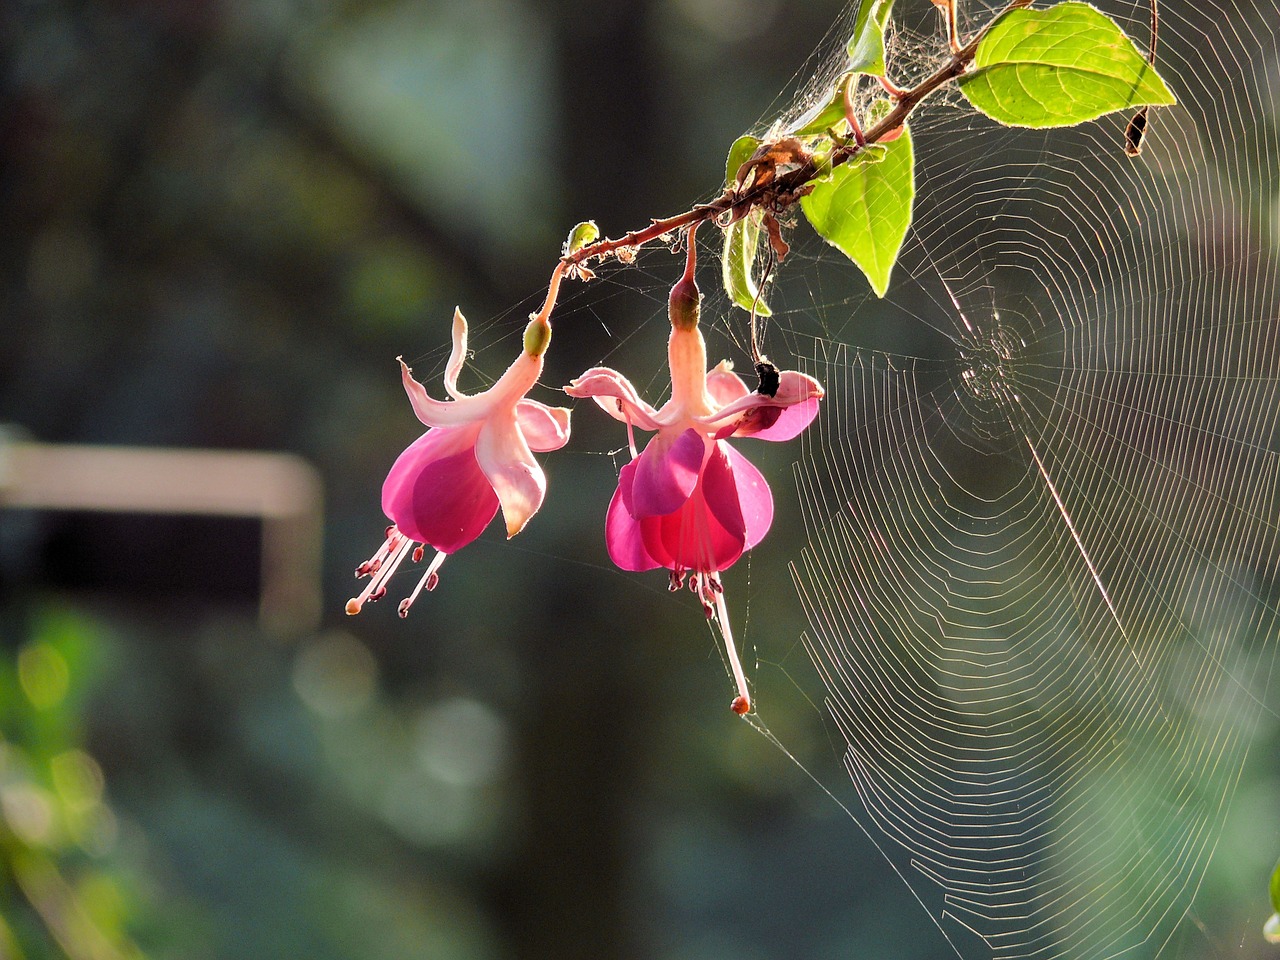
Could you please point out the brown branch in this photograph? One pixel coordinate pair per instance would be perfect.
(787, 188)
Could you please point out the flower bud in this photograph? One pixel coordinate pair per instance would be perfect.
(537, 335)
(684, 304)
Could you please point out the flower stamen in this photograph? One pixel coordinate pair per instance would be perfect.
(398, 546)
(428, 581)
(374, 563)
(742, 702)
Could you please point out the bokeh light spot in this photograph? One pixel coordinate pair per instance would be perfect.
(335, 675)
(44, 675)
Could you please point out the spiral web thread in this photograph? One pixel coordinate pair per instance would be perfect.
(1042, 572)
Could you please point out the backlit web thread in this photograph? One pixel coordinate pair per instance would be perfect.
(1042, 577)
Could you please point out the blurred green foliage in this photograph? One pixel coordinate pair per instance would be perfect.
(62, 880)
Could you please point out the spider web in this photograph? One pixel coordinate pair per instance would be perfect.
(1042, 568)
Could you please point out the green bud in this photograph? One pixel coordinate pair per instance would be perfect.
(537, 336)
(581, 235)
(684, 304)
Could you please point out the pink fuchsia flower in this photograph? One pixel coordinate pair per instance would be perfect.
(476, 457)
(690, 502)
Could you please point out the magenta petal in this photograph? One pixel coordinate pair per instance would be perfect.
(777, 423)
(754, 499)
(696, 537)
(436, 491)
(719, 490)
(693, 537)
(622, 534)
(436, 444)
(666, 473)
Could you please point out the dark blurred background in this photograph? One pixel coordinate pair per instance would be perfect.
(221, 222)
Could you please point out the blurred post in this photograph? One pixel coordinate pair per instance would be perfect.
(280, 489)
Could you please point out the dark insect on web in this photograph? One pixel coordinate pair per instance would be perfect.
(1133, 133)
(769, 377)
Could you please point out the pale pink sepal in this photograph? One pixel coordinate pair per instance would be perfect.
(457, 355)
(777, 423)
(793, 388)
(545, 428)
(439, 413)
(724, 385)
(515, 476)
(615, 396)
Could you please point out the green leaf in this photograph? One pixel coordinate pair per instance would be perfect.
(866, 46)
(1275, 889)
(830, 117)
(581, 235)
(737, 264)
(739, 154)
(1059, 67)
(864, 210)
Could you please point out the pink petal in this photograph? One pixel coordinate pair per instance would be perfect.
(457, 356)
(507, 461)
(666, 473)
(615, 395)
(544, 428)
(777, 423)
(752, 495)
(436, 492)
(622, 534)
(724, 385)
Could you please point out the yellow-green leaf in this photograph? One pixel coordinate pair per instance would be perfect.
(1059, 67)
(739, 154)
(866, 46)
(737, 264)
(864, 210)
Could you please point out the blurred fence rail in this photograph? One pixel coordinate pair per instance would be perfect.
(281, 490)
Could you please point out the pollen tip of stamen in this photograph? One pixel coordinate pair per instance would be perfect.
(741, 706)
(377, 595)
(391, 528)
(403, 609)
(364, 569)
(417, 553)
(432, 580)
(353, 607)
